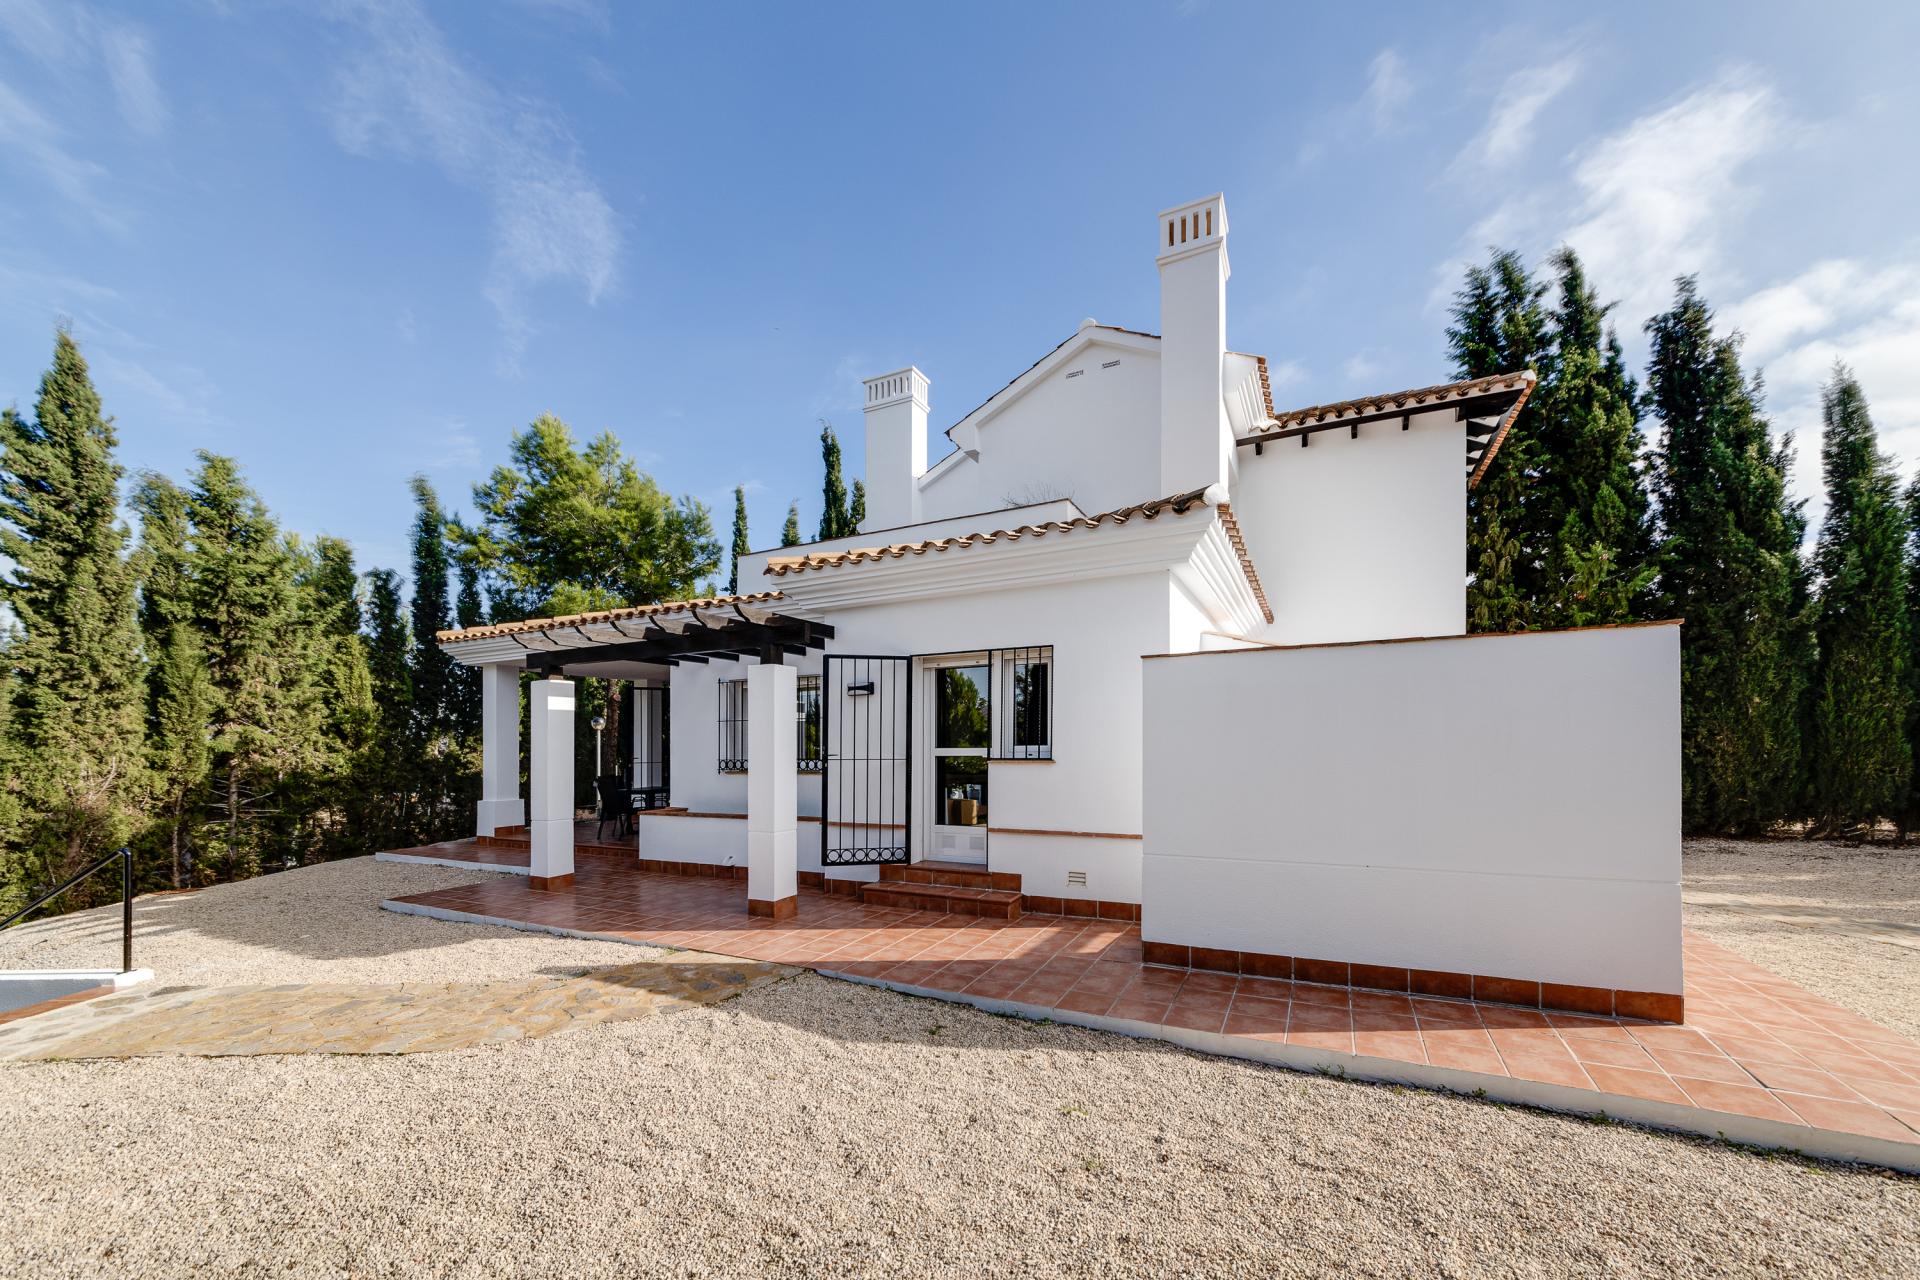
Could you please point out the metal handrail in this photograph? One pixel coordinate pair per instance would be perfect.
(126, 902)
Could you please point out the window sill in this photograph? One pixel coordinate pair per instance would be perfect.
(1019, 759)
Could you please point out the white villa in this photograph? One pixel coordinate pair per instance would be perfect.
(1107, 656)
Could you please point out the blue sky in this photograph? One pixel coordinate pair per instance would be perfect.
(345, 242)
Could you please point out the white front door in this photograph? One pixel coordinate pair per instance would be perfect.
(959, 697)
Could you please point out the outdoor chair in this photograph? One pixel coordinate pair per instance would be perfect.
(616, 805)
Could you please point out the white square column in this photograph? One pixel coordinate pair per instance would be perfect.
(499, 750)
(772, 787)
(551, 783)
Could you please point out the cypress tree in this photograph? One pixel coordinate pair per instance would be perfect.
(790, 532)
(432, 669)
(857, 507)
(833, 490)
(179, 705)
(1500, 326)
(469, 610)
(1909, 816)
(333, 811)
(1732, 568)
(259, 654)
(740, 544)
(1591, 512)
(74, 754)
(389, 646)
(1860, 760)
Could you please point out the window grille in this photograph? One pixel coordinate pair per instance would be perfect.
(733, 726)
(806, 716)
(1026, 724)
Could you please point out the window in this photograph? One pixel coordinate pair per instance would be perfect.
(733, 726)
(1026, 727)
(806, 716)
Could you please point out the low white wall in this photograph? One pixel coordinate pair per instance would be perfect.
(1506, 806)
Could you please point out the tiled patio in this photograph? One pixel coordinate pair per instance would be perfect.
(1758, 1057)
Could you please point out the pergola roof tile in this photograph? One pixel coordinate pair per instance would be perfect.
(664, 608)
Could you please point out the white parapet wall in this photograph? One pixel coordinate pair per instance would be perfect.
(1482, 805)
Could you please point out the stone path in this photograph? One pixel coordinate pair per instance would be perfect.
(356, 1018)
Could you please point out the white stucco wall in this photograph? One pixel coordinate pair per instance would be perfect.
(1360, 539)
(1499, 806)
(1099, 629)
(1086, 432)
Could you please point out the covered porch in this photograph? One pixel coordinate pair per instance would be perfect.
(641, 646)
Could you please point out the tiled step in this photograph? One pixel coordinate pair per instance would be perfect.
(959, 900)
(960, 875)
(525, 844)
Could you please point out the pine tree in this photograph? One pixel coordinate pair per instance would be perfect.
(790, 533)
(857, 507)
(741, 546)
(1591, 511)
(260, 660)
(389, 646)
(1909, 816)
(432, 669)
(1500, 326)
(469, 610)
(179, 703)
(334, 817)
(1860, 760)
(1732, 568)
(833, 490)
(74, 757)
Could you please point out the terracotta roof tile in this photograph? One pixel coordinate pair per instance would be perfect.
(666, 607)
(1419, 398)
(1178, 504)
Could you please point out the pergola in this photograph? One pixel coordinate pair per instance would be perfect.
(642, 642)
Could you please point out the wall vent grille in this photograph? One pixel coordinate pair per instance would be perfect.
(1076, 879)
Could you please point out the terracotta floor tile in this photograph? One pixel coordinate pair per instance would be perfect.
(1195, 1019)
(1140, 1008)
(1402, 1046)
(1700, 1066)
(1248, 1024)
(1464, 1056)
(1547, 1068)
(1754, 1043)
(1079, 1001)
(1740, 1100)
(1320, 1038)
(1848, 1117)
(1327, 997)
(1635, 1083)
(1612, 1053)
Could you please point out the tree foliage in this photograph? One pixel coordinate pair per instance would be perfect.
(73, 752)
(1731, 567)
(741, 546)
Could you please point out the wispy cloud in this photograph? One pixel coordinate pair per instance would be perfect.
(39, 143)
(406, 92)
(77, 37)
(128, 56)
(1655, 197)
(1649, 202)
(1389, 89)
(1843, 309)
(1510, 121)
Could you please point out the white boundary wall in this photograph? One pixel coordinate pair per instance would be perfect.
(1506, 806)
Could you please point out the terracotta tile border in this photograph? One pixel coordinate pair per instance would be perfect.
(1560, 997)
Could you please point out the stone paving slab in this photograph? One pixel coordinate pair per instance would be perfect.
(359, 1018)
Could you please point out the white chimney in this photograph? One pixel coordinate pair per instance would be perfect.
(896, 447)
(1196, 439)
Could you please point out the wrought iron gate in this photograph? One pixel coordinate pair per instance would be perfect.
(866, 787)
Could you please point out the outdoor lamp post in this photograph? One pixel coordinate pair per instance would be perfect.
(599, 724)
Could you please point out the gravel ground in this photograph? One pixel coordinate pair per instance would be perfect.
(817, 1128)
(1830, 885)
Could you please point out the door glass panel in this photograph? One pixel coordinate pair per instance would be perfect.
(961, 707)
(961, 783)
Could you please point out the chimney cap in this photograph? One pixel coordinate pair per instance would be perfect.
(896, 387)
(1193, 227)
